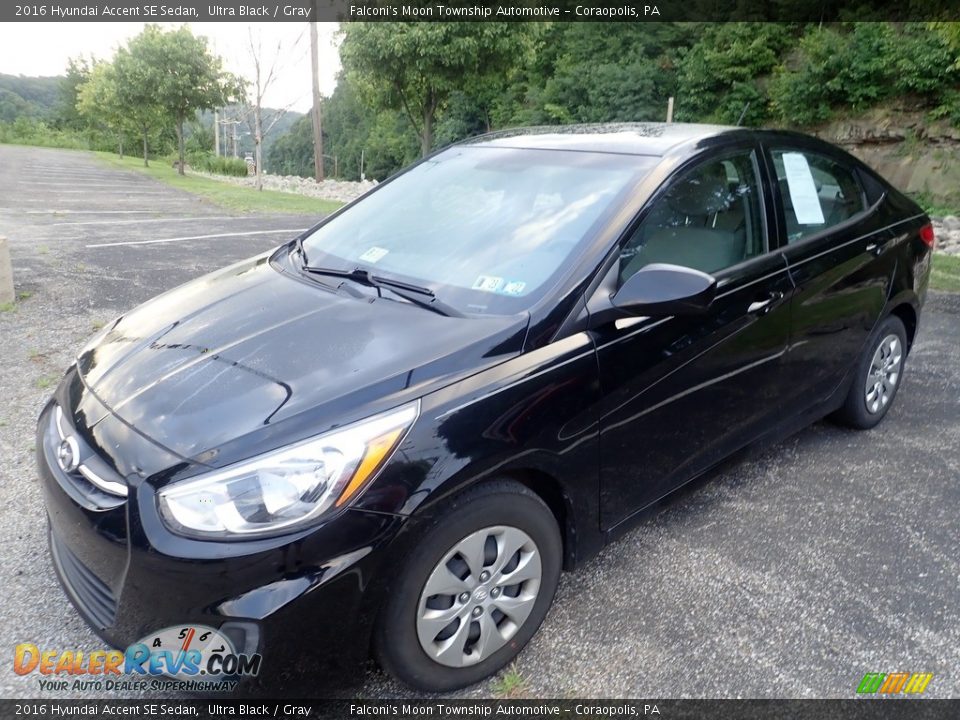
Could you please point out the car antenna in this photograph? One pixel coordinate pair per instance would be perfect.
(743, 113)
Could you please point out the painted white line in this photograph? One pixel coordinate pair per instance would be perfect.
(116, 192)
(87, 212)
(44, 183)
(196, 237)
(140, 221)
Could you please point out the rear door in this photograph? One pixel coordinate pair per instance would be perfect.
(680, 393)
(837, 251)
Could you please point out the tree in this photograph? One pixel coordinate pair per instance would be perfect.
(98, 102)
(68, 112)
(265, 71)
(136, 79)
(185, 75)
(415, 67)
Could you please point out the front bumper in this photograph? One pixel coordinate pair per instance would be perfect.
(304, 602)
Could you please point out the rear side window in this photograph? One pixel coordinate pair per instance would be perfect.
(816, 192)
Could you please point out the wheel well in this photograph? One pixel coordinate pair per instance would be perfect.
(908, 316)
(550, 491)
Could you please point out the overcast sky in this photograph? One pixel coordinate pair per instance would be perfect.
(44, 48)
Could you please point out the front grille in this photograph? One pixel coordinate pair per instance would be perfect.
(92, 483)
(89, 592)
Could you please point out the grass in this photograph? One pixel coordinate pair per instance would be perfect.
(227, 195)
(46, 382)
(946, 273)
(510, 684)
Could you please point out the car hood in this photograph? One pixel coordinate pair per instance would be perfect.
(252, 355)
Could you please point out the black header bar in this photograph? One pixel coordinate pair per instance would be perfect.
(458, 10)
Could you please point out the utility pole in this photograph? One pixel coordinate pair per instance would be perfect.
(317, 116)
(216, 132)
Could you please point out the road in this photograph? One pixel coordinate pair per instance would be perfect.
(789, 572)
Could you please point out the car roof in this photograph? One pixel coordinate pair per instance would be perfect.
(654, 139)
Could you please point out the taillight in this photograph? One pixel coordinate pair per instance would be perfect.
(926, 234)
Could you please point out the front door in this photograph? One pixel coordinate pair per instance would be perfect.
(680, 393)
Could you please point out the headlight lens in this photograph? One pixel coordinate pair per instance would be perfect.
(289, 487)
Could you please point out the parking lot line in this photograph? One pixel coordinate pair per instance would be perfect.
(139, 221)
(196, 237)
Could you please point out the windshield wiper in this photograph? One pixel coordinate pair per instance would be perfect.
(416, 294)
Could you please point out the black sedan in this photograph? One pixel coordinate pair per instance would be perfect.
(391, 434)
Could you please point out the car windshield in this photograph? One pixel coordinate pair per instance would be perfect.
(485, 228)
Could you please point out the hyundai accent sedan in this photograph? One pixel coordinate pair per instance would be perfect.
(390, 435)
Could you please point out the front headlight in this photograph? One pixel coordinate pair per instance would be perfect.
(288, 487)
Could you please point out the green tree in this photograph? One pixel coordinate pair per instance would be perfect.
(98, 102)
(137, 75)
(416, 67)
(68, 114)
(184, 75)
(725, 74)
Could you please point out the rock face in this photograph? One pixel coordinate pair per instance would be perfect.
(919, 156)
(947, 232)
(338, 190)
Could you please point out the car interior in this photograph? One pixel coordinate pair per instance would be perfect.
(840, 195)
(709, 220)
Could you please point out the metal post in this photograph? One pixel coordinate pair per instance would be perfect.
(670, 109)
(216, 133)
(6, 273)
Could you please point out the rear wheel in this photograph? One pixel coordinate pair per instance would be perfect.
(474, 590)
(878, 376)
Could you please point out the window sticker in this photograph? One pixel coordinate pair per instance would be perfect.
(514, 287)
(488, 283)
(374, 254)
(803, 190)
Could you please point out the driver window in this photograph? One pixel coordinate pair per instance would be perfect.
(709, 219)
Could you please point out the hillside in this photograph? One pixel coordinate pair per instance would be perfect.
(29, 97)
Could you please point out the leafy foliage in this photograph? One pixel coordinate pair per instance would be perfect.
(208, 162)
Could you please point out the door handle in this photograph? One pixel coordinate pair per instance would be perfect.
(760, 307)
(874, 248)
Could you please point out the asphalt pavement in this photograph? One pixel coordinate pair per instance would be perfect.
(791, 571)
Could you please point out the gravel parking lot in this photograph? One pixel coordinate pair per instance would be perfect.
(790, 572)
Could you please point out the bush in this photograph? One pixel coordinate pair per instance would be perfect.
(860, 67)
(24, 131)
(208, 162)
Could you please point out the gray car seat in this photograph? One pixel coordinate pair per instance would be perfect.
(694, 237)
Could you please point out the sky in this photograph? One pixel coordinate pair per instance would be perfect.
(45, 48)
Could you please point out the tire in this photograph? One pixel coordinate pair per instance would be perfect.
(485, 523)
(874, 388)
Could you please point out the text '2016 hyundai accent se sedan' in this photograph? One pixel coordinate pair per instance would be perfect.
(391, 434)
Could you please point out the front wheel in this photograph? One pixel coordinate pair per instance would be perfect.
(474, 590)
(878, 376)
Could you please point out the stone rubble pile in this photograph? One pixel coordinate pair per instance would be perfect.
(339, 190)
(947, 232)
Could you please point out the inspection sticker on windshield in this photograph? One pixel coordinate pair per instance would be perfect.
(488, 283)
(514, 288)
(373, 254)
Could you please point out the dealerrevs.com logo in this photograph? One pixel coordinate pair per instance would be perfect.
(188, 658)
(894, 683)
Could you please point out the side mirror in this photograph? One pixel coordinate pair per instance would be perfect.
(662, 289)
